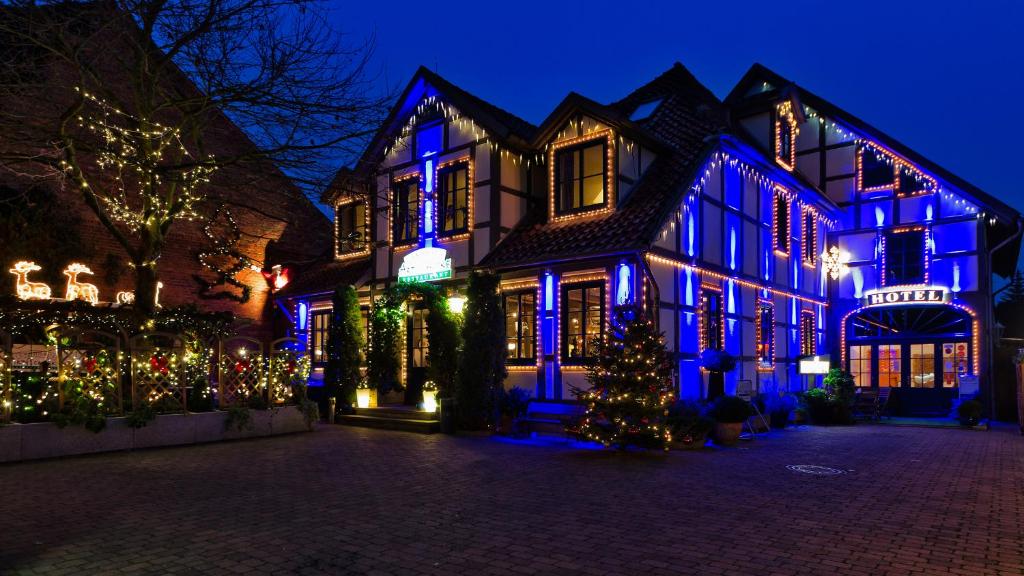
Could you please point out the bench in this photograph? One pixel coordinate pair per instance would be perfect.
(549, 416)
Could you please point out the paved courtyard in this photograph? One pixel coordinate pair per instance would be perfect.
(354, 501)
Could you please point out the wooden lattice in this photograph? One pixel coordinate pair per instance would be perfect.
(6, 386)
(288, 369)
(88, 364)
(156, 364)
(240, 376)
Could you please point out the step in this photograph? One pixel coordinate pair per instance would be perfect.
(402, 424)
(397, 412)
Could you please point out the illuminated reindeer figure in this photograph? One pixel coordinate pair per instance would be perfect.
(127, 298)
(80, 290)
(29, 290)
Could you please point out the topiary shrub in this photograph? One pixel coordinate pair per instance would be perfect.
(830, 404)
(482, 361)
(731, 410)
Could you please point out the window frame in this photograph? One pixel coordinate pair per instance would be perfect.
(704, 318)
(785, 122)
(312, 336)
(518, 295)
(765, 363)
(404, 184)
(442, 195)
(808, 337)
(901, 171)
(809, 237)
(353, 250)
(782, 197)
(887, 257)
(571, 149)
(566, 360)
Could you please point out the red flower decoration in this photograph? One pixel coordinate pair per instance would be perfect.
(242, 366)
(292, 365)
(90, 365)
(158, 363)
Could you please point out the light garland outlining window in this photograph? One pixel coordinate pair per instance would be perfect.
(518, 286)
(808, 340)
(740, 281)
(899, 167)
(610, 176)
(925, 251)
(765, 358)
(469, 198)
(975, 334)
(579, 278)
(780, 229)
(785, 120)
(809, 238)
(338, 254)
(702, 328)
(391, 208)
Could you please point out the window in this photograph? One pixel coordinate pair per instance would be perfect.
(419, 343)
(903, 258)
(954, 363)
(453, 182)
(318, 329)
(351, 227)
(922, 365)
(580, 176)
(711, 319)
(765, 348)
(786, 131)
(809, 237)
(583, 320)
(520, 327)
(860, 365)
(406, 207)
(780, 221)
(807, 329)
(879, 170)
(364, 330)
(889, 365)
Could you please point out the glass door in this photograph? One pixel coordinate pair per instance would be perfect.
(922, 365)
(954, 362)
(418, 345)
(860, 365)
(890, 365)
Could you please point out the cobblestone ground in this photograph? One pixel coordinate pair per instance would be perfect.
(352, 501)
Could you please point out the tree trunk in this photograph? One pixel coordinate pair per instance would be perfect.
(146, 289)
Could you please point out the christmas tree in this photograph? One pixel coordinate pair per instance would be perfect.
(631, 384)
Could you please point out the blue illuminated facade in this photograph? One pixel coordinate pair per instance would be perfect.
(772, 226)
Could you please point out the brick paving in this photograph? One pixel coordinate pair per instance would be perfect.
(360, 501)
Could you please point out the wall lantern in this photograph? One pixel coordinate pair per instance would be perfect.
(456, 303)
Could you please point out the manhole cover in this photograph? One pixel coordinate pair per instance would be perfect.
(815, 470)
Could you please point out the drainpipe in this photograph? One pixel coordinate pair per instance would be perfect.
(992, 322)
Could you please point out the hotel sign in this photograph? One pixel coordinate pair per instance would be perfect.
(815, 365)
(891, 296)
(425, 265)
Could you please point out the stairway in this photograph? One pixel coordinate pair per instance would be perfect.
(393, 417)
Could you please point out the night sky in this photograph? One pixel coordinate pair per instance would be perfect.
(943, 77)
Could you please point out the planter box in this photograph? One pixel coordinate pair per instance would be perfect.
(46, 440)
(167, 430)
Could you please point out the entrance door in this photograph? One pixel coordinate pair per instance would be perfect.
(417, 345)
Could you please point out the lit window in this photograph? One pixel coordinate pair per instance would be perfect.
(580, 176)
(711, 319)
(406, 208)
(922, 365)
(786, 131)
(520, 327)
(318, 328)
(809, 237)
(807, 345)
(352, 229)
(904, 258)
(453, 183)
(890, 365)
(879, 170)
(954, 363)
(765, 335)
(860, 365)
(583, 320)
(419, 338)
(780, 221)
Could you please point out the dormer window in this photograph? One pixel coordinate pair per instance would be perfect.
(352, 228)
(453, 199)
(405, 206)
(580, 176)
(786, 131)
(879, 170)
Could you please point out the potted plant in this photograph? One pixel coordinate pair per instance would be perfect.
(688, 424)
(717, 362)
(729, 412)
(779, 406)
(969, 412)
(513, 406)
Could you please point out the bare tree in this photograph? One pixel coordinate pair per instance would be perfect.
(137, 104)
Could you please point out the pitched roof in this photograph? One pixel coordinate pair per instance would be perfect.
(685, 122)
(515, 131)
(324, 276)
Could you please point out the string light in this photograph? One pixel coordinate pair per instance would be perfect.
(785, 119)
(610, 175)
(719, 276)
(470, 185)
(25, 289)
(339, 252)
(765, 358)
